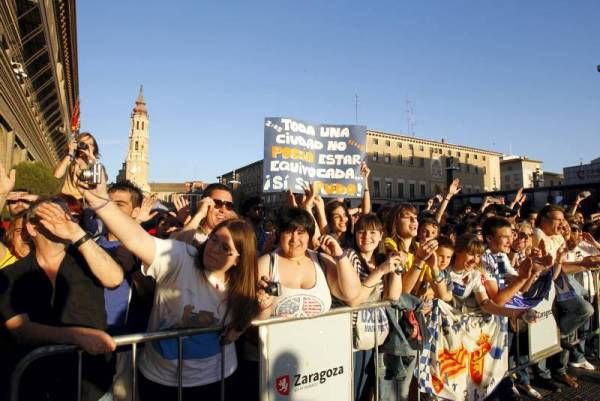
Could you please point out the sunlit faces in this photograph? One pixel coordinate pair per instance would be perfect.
(407, 224)
(427, 231)
(444, 256)
(89, 142)
(466, 261)
(339, 220)
(501, 240)
(221, 210)
(219, 252)
(123, 201)
(552, 224)
(522, 240)
(294, 243)
(368, 240)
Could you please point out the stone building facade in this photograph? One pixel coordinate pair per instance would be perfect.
(38, 79)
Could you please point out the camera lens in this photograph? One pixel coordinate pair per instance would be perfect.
(82, 146)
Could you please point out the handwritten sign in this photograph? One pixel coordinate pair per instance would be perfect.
(298, 153)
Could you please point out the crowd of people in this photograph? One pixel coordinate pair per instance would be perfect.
(96, 261)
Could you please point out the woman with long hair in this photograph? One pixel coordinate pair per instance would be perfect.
(212, 285)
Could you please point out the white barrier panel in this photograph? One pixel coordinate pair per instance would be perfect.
(544, 337)
(307, 359)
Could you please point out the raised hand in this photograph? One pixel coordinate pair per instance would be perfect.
(426, 248)
(146, 212)
(182, 205)
(365, 171)
(291, 198)
(330, 246)
(58, 222)
(7, 181)
(454, 187)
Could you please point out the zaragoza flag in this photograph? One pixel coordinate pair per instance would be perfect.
(466, 355)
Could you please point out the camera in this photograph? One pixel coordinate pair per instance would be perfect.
(93, 174)
(273, 288)
(82, 146)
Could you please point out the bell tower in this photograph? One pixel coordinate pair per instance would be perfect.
(135, 168)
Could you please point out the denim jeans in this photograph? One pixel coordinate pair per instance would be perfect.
(572, 314)
(396, 390)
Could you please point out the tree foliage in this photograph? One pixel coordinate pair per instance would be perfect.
(36, 178)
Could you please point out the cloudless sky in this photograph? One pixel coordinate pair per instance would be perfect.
(511, 76)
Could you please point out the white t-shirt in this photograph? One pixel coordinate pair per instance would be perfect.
(183, 299)
(585, 278)
(552, 242)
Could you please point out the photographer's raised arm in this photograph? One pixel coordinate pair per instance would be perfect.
(61, 167)
(366, 199)
(127, 230)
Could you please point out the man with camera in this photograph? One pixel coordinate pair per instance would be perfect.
(79, 164)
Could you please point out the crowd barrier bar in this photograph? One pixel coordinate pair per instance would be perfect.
(134, 339)
(125, 340)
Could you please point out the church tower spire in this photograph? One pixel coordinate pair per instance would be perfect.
(135, 168)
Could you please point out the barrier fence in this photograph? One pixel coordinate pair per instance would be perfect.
(283, 342)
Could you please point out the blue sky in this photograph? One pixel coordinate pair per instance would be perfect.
(511, 76)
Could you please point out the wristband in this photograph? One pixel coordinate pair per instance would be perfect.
(365, 190)
(342, 256)
(95, 209)
(82, 240)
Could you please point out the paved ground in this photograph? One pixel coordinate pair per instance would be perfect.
(589, 386)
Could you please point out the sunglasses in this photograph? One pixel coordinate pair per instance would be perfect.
(524, 235)
(13, 201)
(219, 204)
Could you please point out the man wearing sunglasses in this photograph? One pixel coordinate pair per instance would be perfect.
(215, 206)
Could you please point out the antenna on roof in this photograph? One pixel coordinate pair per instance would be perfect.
(410, 118)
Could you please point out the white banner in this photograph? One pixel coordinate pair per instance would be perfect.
(307, 359)
(466, 355)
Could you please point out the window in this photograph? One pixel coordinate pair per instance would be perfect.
(376, 191)
(375, 141)
(388, 189)
(388, 158)
(421, 148)
(475, 156)
(136, 145)
(449, 152)
(483, 158)
(466, 155)
(507, 178)
(142, 125)
(137, 125)
(375, 156)
(458, 154)
(400, 145)
(410, 146)
(387, 143)
(422, 161)
(411, 160)
(399, 159)
(411, 191)
(400, 190)
(423, 190)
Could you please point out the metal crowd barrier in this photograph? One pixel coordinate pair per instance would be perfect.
(125, 340)
(134, 339)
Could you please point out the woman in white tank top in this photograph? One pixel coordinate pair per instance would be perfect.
(306, 278)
